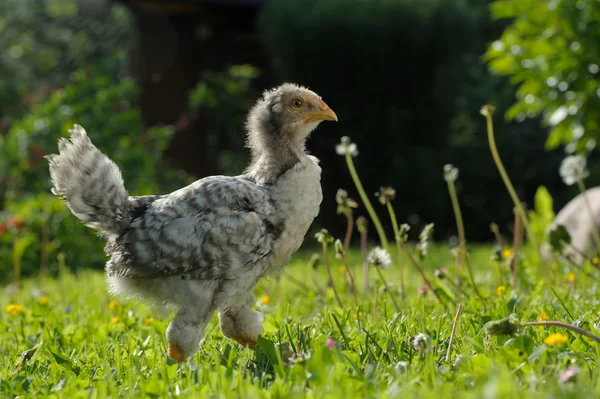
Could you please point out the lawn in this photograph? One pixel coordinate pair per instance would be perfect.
(88, 344)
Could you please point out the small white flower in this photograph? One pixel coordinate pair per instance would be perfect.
(573, 169)
(339, 249)
(450, 173)
(421, 342)
(422, 248)
(426, 232)
(424, 238)
(346, 147)
(401, 367)
(380, 257)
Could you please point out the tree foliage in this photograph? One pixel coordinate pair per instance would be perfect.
(66, 63)
(551, 51)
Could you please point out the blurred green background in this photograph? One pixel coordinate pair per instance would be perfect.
(163, 88)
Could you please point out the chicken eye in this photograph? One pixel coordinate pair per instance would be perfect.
(297, 103)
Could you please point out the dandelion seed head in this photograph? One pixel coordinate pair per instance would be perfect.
(450, 173)
(346, 147)
(421, 342)
(379, 257)
(573, 168)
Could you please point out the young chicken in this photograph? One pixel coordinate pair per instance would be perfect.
(204, 247)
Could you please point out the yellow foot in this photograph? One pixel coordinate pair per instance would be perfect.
(175, 353)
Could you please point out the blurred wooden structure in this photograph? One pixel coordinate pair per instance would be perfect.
(177, 41)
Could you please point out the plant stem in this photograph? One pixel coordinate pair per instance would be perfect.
(588, 207)
(365, 199)
(454, 324)
(562, 324)
(398, 248)
(352, 285)
(296, 281)
(496, 232)
(363, 249)
(461, 236)
(516, 246)
(386, 288)
(472, 277)
(487, 112)
(420, 270)
(461, 230)
(326, 261)
(349, 230)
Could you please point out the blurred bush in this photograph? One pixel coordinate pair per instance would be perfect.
(223, 100)
(106, 107)
(551, 52)
(407, 81)
(35, 226)
(44, 41)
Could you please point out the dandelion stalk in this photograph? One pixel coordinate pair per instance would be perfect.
(346, 150)
(385, 284)
(349, 229)
(487, 111)
(450, 175)
(496, 231)
(345, 206)
(325, 238)
(361, 223)
(454, 325)
(518, 237)
(420, 270)
(296, 281)
(568, 326)
(511, 325)
(380, 258)
(340, 253)
(386, 195)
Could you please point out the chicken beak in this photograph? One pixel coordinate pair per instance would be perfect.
(323, 114)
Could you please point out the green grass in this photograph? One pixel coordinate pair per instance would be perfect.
(88, 349)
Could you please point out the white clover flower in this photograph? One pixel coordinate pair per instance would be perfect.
(421, 342)
(422, 249)
(573, 169)
(346, 147)
(450, 173)
(380, 257)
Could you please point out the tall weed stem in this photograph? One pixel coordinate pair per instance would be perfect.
(487, 111)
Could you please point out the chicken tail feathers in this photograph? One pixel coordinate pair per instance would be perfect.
(90, 183)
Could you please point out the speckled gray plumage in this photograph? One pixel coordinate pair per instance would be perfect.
(203, 247)
(209, 229)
